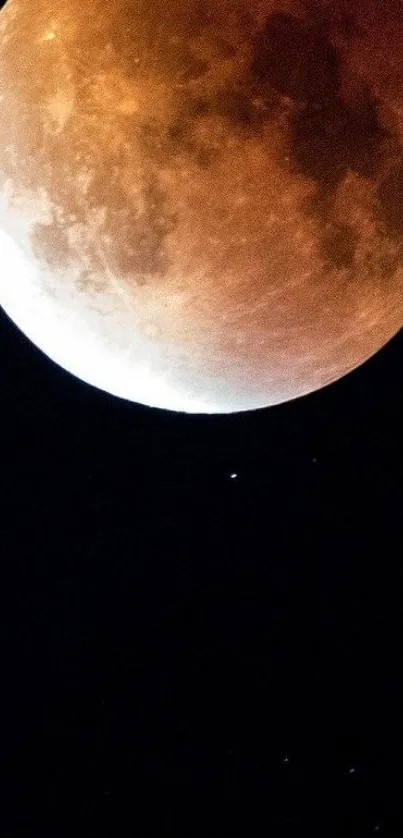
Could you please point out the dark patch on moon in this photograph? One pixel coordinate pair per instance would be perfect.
(48, 241)
(329, 138)
(139, 247)
(232, 104)
(180, 138)
(298, 61)
(338, 245)
(390, 201)
(205, 157)
(345, 23)
(50, 244)
(240, 110)
(195, 68)
(327, 135)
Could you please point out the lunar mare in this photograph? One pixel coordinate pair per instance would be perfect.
(201, 203)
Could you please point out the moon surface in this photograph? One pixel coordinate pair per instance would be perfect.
(201, 201)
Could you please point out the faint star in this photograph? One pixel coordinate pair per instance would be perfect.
(286, 758)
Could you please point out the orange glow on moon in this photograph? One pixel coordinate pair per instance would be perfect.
(201, 201)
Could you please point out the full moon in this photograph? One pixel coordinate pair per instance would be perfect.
(201, 201)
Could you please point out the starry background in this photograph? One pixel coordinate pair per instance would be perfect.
(200, 615)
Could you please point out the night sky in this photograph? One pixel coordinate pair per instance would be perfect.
(200, 615)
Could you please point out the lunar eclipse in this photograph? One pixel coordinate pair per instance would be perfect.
(201, 201)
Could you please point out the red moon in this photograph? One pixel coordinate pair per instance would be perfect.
(201, 201)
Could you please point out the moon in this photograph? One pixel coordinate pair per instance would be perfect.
(201, 201)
